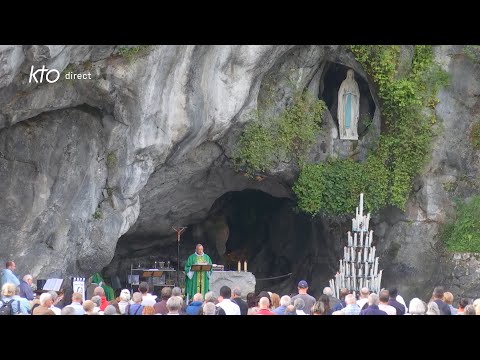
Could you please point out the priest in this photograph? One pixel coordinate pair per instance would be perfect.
(197, 281)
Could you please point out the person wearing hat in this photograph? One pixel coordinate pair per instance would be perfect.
(302, 294)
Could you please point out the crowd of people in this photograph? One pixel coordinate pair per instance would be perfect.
(18, 298)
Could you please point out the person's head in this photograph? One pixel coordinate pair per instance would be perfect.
(99, 291)
(174, 304)
(236, 293)
(209, 308)
(384, 296)
(302, 287)
(88, 306)
(176, 291)
(299, 304)
(54, 295)
(225, 292)
(350, 299)
(364, 292)
(373, 299)
(448, 297)
(290, 310)
(344, 292)
(198, 297)
(318, 308)
(8, 289)
(125, 295)
(393, 292)
(328, 291)
(199, 249)
(68, 310)
(463, 302)
(28, 279)
(210, 297)
(166, 293)
(285, 300)
(275, 300)
(46, 300)
(264, 294)
(148, 310)
(10, 265)
(110, 310)
(326, 302)
(432, 308)
(416, 307)
(137, 297)
(251, 300)
(143, 287)
(97, 300)
(263, 303)
(438, 293)
(114, 303)
(469, 310)
(77, 297)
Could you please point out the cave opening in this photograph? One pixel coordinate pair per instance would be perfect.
(332, 77)
(280, 245)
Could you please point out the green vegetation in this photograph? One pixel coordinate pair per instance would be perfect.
(111, 160)
(475, 135)
(450, 186)
(473, 53)
(463, 234)
(268, 141)
(332, 187)
(132, 53)
(97, 214)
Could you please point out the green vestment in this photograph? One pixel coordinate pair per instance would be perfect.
(200, 281)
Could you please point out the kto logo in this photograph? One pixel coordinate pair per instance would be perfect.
(51, 78)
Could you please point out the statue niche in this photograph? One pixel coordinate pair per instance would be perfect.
(348, 107)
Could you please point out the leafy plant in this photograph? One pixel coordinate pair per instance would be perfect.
(386, 176)
(269, 140)
(463, 233)
(97, 214)
(111, 160)
(475, 135)
(132, 53)
(472, 52)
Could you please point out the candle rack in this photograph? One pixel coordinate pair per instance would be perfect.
(359, 266)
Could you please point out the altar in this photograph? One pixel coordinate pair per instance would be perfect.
(241, 279)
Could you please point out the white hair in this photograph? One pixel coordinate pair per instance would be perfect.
(45, 297)
(209, 308)
(285, 300)
(416, 307)
(125, 295)
(174, 303)
(373, 299)
(299, 304)
(197, 297)
(350, 299)
(27, 277)
(328, 291)
(110, 310)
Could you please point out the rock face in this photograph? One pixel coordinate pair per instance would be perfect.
(245, 281)
(145, 145)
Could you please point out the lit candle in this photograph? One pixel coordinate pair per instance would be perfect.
(245, 265)
(349, 239)
(361, 239)
(239, 266)
(355, 239)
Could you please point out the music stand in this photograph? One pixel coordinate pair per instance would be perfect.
(201, 267)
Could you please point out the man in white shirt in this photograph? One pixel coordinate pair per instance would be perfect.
(226, 304)
(383, 305)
